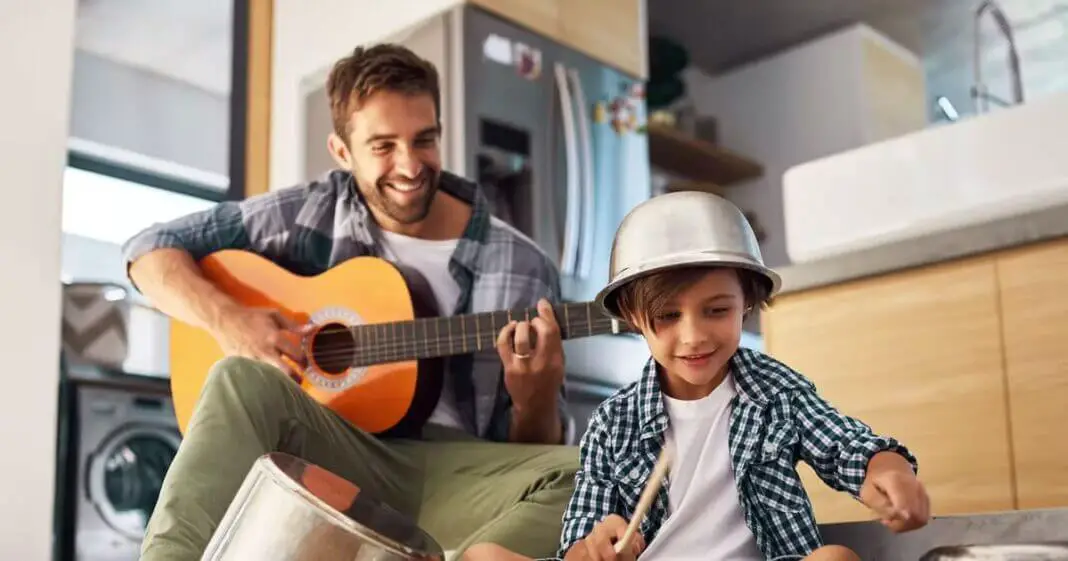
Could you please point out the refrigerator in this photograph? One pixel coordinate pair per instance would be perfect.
(549, 133)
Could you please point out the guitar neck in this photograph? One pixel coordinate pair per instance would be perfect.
(452, 335)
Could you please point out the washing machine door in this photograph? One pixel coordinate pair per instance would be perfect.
(126, 473)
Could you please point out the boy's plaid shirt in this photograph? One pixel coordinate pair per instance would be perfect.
(310, 228)
(776, 419)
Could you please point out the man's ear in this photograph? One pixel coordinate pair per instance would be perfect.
(339, 151)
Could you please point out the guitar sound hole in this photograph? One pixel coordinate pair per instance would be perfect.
(333, 348)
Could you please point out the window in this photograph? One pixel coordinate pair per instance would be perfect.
(112, 210)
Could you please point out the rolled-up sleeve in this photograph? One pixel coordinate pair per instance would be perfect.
(837, 446)
(260, 224)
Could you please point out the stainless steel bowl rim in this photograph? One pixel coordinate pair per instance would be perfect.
(384, 541)
(700, 258)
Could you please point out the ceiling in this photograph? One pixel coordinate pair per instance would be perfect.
(721, 34)
(188, 40)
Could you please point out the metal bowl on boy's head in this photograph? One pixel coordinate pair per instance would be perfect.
(682, 229)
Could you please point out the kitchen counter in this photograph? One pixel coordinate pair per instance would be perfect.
(1000, 234)
(873, 542)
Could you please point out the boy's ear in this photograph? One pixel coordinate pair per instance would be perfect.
(633, 323)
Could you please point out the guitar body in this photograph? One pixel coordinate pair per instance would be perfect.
(391, 398)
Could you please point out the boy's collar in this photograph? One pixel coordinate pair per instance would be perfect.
(750, 377)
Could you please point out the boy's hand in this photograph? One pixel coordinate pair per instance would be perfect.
(892, 490)
(600, 544)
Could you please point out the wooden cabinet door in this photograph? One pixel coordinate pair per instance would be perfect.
(542, 16)
(612, 31)
(916, 355)
(1034, 304)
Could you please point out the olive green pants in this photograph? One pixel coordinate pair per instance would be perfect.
(459, 489)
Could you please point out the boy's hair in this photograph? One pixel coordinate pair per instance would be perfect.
(645, 297)
(383, 67)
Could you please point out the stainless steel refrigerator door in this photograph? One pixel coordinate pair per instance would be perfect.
(614, 171)
(520, 121)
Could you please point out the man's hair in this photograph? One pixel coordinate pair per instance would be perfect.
(368, 70)
(645, 297)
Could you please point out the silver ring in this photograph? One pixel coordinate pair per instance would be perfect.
(517, 355)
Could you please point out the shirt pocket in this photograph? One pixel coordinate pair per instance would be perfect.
(630, 479)
(773, 477)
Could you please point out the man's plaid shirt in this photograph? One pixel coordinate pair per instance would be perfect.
(776, 419)
(310, 228)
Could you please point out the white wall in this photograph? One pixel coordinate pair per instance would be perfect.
(796, 106)
(308, 38)
(34, 108)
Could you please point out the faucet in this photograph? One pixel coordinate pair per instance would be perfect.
(980, 94)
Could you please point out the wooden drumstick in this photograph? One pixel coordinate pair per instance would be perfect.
(652, 487)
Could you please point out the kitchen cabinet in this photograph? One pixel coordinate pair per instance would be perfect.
(1034, 307)
(611, 31)
(965, 361)
(916, 355)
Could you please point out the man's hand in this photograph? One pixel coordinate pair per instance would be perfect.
(892, 490)
(261, 334)
(600, 544)
(533, 375)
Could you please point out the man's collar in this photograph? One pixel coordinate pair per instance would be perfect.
(474, 236)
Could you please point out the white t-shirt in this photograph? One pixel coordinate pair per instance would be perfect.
(705, 519)
(431, 259)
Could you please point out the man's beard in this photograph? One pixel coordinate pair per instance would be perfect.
(387, 196)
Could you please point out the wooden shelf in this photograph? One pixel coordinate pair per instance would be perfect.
(693, 158)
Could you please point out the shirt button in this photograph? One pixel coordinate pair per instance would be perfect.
(635, 473)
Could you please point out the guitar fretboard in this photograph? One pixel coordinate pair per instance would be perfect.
(452, 335)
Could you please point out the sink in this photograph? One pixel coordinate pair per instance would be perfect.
(988, 167)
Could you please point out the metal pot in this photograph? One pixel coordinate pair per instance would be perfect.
(1038, 551)
(681, 229)
(290, 510)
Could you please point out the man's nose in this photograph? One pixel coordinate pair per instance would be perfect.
(406, 164)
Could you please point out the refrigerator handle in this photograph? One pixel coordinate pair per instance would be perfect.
(571, 227)
(586, 149)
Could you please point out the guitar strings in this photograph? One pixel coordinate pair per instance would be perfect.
(399, 342)
(435, 322)
(397, 348)
(452, 318)
(526, 314)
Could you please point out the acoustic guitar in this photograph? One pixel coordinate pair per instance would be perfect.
(374, 350)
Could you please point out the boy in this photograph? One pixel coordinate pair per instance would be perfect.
(737, 420)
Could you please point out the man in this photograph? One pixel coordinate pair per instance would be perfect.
(468, 478)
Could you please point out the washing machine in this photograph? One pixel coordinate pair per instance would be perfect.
(126, 439)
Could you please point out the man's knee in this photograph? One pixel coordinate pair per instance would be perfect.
(561, 465)
(244, 380)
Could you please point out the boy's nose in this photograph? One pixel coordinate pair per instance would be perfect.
(691, 331)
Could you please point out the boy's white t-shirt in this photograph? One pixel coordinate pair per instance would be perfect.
(705, 519)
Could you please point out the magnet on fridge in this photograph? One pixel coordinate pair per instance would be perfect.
(599, 112)
(527, 61)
